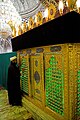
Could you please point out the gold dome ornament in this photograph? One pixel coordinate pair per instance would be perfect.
(39, 18)
(23, 27)
(71, 4)
(13, 31)
(31, 23)
(51, 11)
(19, 30)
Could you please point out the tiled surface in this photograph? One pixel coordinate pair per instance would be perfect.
(8, 112)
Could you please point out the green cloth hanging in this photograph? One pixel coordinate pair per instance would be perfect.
(4, 63)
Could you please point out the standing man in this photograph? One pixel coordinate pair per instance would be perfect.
(13, 83)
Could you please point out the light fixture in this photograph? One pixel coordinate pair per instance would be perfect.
(78, 5)
(61, 7)
(67, 4)
(46, 13)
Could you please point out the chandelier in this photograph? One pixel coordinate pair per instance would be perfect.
(8, 16)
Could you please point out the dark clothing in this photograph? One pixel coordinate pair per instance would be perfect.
(13, 85)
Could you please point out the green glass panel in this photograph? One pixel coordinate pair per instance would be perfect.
(54, 86)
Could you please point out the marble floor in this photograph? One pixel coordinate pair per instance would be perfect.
(8, 112)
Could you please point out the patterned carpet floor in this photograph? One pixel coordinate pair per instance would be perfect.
(8, 112)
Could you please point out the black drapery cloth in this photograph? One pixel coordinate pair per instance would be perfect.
(64, 29)
(13, 85)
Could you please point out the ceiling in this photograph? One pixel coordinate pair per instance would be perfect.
(27, 8)
(25, 5)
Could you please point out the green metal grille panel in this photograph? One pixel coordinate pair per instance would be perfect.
(54, 87)
(78, 93)
(24, 76)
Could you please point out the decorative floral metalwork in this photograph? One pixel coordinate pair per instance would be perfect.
(37, 77)
(36, 63)
(39, 50)
(55, 48)
(37, 91)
